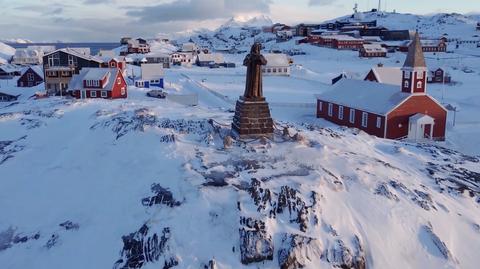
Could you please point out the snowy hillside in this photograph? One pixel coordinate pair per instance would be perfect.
(147, 183)
(6, 52)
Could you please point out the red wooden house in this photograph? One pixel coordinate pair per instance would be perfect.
(388, 111)
(31, 76)
(107, 83)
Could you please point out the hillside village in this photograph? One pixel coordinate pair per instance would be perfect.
(375, 114)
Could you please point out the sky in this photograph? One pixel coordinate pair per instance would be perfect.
(108, 20)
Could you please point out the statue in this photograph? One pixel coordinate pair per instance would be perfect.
(254, 62)
(252, 117)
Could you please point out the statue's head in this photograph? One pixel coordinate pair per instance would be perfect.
(256, 48)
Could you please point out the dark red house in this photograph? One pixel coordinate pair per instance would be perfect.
(107, 83)
(388, 111)
(427, 46)
(30, 77)
(439, 76)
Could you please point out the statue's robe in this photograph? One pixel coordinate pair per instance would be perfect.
(253, 86)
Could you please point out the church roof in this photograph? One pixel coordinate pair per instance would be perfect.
(415, 56)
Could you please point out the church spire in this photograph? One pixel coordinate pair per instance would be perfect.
(415, 56)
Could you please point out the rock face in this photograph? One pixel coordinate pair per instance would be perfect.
(161, 196)
(343, 257)
(143, 247)
(297, 251)
(256, 245)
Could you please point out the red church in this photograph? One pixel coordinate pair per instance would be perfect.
(385, 110)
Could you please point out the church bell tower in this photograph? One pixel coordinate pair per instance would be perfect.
(414, 71)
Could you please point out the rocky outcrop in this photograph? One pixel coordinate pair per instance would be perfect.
(9, 148)
(339, 255)
(161, 196)
(297, 251)
(256, 245)
(143, 247)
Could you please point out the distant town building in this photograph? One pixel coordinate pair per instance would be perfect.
(31, 76)
(439, 76)
(135, 46)
(427, 46)
(152, 76)
(209, 59)
(278, 64)
(478, 26)
(106, 83)
(340, 42)
(388, 111)
(7, 96)
(385, 75)
(159, 58)
(372, 50)
(182, 58)
(9, 71)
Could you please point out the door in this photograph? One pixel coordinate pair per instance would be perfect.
(427, 131)
(83, 94)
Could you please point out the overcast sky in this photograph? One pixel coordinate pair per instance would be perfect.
(108, 20)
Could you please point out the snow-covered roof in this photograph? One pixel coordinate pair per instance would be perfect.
(152, 71)
(342, 37)
(44, 49)
(363, 95)
(27, 53)
(211, 57)
(79, 52)
(276, 60)
(36, 68)
(388, 75)
(189, 46)
(10, 68)
(374, 48)
(157, 54)
(93, 74)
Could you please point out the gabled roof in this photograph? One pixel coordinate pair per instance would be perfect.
(363, 95)
(415, 56)
(80, 52)
(388, 75)
(152, 71)
(10, 68)
(36, 68)
(276, 59)
(93, 74)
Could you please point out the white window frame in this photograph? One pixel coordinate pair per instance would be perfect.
(419, 84)
(123, 91)
(103, 94)
(93, 94)
(330, 109)
(340, 112)
(379, 122)
(406, 84)
(71, 60)
(320, 106)
(30, 77)
(365, 119)
(420, 75)
(119, 81)
(407, 75)
(352, 115)
(112, 64)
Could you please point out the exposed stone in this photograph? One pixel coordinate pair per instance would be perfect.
(297, 251)
(256, 245)
(227, 142)
(162, 197)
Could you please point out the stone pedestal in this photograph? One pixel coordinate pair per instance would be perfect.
(252, 118)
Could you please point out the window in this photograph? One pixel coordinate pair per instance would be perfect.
(123, 90)
(330, 109)
(419, 84)
(112, 64)
(419, 75)
(352, 115)
(340, 112)
(379, 122)
(320, 106)
(93, 93)
(30, 77)
(119, 81)
(104, 94)
(364, 119)
(72, 61)
(406, 84)
(407, 75)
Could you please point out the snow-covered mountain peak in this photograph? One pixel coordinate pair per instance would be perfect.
(248, 21)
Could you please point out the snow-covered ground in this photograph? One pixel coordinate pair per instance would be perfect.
(146, 182)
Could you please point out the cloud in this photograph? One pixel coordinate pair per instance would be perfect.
(320, 2)
(197, 10)
(96, 2)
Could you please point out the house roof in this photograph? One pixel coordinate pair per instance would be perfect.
(363, 95)
(79, 52)
(10, 68)
(93, 74)
(211, 57)
(36, 68)
(276, 59)
(27, 53)
(342, 37)
(415, 57)
(374, 48)
(152, 71)
(388, 75)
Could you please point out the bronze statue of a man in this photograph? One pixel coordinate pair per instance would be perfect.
(254, 62)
